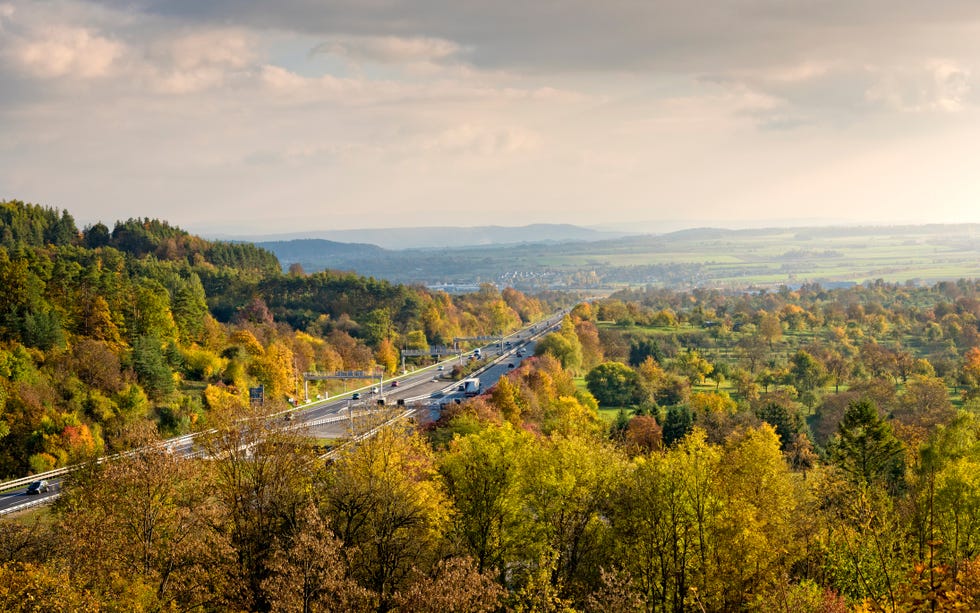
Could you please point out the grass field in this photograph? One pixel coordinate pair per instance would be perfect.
(702, 258)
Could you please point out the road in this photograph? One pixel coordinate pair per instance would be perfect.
(329, 418)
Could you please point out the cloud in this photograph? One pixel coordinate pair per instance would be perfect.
(483, 140)
(603, 109)
(390, 49)
(60, 51)
(936, 86)
(196, 60)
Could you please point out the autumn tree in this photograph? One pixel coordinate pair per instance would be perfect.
(568, 484)
(455, 584)
(261, 477)
(307, 571)
(388, 506)
(483, 473)
(148, 516)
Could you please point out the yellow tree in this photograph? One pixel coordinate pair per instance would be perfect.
(387, 356)
(275, 370)
(754, 530)
(569, 483)
(483, 474)
(389, 508)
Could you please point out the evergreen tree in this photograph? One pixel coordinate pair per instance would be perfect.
(865, 447)
(677, 424)
(151, 367)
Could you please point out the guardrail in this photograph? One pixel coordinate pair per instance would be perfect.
(180, 440)
(51, 474)
(27, 505)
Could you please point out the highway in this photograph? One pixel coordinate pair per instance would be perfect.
(329, 418)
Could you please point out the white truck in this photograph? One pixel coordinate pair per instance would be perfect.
(471, 387)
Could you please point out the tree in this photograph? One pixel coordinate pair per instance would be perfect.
(307, 572)
(262, 480)
(770, 328)
(483, 474)
(865, 447)
(785, 422)
(588, 336)
(388, 507)
(644, 434)
(971, 371)
(387, 356)
(568, 484)
(925, 403)
(96, 236)
(32, 588)
(691, 365)
(190, 309)
(148, 312)
(677, 424)
(807, 372)
(564, 346)
(614, 384)
(454, 585)
(148, 516)
(151, 367)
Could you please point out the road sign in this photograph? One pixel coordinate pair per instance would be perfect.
(434, 351)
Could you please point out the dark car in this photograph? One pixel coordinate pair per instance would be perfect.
(510, 365)
(38, 487)
(355, 396)
(395, 384)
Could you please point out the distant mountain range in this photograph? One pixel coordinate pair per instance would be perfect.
(564, 256)
(436, 237)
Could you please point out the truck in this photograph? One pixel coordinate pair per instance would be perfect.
(471, 387)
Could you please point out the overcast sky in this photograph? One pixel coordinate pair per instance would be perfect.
(254, 117)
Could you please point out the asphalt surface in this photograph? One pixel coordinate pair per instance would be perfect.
(329, 418)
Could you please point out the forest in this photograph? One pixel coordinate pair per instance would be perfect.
(809, 451)
(102, 329)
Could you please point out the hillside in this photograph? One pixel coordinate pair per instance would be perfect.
(701, 257)
(439, 237)
(103, 332)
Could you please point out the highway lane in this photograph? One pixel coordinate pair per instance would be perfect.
(419, 383)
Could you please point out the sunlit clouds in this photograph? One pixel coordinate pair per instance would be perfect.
(270, 117)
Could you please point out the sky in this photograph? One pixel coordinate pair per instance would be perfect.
(252, 117)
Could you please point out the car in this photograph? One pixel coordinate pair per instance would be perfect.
(510, 365)
(395, 384)
(38, 487)
(374, 390)
(355, 396)
(441, 367)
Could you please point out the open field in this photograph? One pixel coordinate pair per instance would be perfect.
(692, 258)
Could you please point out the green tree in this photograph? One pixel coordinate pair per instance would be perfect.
(865, 447)
(614, 384)
(563, 345)
(677, 424)
(569, 483)
(151, 367)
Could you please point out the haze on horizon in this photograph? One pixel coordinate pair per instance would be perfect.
(273, 117)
